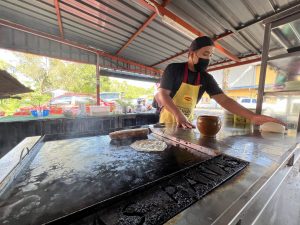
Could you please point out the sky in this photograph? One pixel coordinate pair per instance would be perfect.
(9, 57)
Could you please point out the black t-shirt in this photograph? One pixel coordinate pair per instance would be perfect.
(173, 77)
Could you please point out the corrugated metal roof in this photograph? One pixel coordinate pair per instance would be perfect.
(107, 25)
(127, 75)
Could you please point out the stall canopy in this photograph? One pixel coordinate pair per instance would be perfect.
(10, 86)
(142, 36)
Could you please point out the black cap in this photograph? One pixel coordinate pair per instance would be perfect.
(201, 42)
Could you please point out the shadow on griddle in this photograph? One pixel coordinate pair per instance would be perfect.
(127, 141)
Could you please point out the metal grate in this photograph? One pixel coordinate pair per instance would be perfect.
(166, 198)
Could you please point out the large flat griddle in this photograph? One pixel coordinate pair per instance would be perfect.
(72, 174)
(159, 203)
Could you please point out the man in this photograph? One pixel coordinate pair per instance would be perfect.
(183, 84)
(141, 105)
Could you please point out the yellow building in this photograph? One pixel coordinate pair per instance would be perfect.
(249, 90)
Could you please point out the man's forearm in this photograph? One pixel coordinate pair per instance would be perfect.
(235, 108)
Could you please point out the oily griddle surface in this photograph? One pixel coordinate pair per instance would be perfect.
(68, 175)
(159, 203)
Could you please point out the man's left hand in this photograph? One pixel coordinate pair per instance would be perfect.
(261, 119)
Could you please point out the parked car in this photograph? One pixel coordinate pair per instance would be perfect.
(72, 101)
(278, 107)
(59, 104)
(249, 103)
(212, 104)
(110, 96)
(281, 107)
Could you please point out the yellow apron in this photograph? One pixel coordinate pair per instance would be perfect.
(185, 99)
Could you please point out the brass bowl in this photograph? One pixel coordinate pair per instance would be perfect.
(209, 126)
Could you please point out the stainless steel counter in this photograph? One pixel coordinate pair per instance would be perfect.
(244, 198)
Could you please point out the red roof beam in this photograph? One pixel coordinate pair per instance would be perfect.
(170, 58)
(57, 9)
(233, 64)
(221, 36)
(146, 5)
(185, 51)
(192, 29)
(165, 3)
(74, 44)
(141, 28)
(83, 13)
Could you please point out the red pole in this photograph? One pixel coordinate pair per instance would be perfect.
(98, 80)
(56, 3)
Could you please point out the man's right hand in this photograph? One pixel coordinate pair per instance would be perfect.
(164, 99)
(182, 121)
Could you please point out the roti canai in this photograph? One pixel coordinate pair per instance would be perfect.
(149, 145)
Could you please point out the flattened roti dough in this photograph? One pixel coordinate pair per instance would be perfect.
(272, 127)
(149, 145)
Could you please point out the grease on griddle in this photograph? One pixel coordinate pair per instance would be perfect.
(158, 204)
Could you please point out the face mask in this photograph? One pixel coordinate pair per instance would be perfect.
(201, 65)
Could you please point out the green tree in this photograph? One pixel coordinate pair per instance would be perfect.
(50, 74)
(105, 84)
(131, 91)
(8, 105)
(4, 65)
(72, 77)
(36, 68)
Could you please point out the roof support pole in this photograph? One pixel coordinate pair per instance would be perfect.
(98, 79)
(298, 127)
(263, 68)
